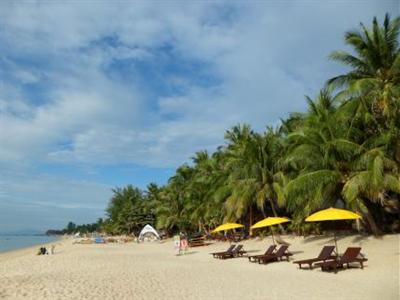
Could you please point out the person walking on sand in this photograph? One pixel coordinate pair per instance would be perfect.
(183, 245)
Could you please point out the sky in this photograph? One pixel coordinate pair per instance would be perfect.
(96, 95)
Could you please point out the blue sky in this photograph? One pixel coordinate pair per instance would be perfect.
(95, 95)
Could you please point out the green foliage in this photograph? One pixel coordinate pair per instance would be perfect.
(129, 210)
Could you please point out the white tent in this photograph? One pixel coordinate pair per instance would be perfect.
(148, 231)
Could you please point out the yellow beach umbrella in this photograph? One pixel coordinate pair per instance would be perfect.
(227, 226)
(333, 214)
(270, 221)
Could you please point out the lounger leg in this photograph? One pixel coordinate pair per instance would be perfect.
(362, 265)
(310, 266)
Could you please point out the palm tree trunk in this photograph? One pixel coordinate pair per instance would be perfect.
(273, 207)
(251, 220)
(373, 227)
(271, 202)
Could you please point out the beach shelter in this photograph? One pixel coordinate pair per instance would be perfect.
(270, 221)
(333, 214)
(148, 230)
(227, 226)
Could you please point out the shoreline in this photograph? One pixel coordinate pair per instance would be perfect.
(28, 249)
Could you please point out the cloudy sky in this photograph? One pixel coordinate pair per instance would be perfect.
(96, 95)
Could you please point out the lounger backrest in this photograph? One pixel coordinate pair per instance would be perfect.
(230, 248)
(326, 252)
(270, 250)
(281, 251)
(350, 254)
(237, 249)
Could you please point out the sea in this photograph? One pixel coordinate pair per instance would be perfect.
(13, 242)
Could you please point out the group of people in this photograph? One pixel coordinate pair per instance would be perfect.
(180, 244)
(43, 250)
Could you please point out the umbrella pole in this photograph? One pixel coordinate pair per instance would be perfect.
(337, 249)
(272, 234)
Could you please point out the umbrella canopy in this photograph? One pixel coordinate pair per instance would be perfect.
(332, 214)
(270, 221)
(227, 226)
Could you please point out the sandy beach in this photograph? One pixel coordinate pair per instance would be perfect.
(152, 271)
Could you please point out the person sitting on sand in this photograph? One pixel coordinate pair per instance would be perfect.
(42, 251)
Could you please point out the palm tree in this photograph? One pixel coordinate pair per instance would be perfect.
(373, 84)
(333, 167)
(125, 210)
(255, 179)
(208, 190)
(171, 210)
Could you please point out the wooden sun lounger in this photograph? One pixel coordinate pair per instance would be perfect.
(326, 253)
(270, 250)
(237, 252)
(229, 250)
(351, 255)
(277, 256)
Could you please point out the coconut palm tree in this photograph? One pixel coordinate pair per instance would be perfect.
(255, 178)
(371, 89)
(333, 167)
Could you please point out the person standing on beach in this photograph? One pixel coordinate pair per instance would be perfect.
(177, 244)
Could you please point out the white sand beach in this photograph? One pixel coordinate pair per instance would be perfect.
(152, 271)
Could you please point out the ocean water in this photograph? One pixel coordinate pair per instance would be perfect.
(12, 242)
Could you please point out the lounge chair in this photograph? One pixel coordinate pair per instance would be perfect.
(351, 255)
(277, 256)
(229, 250)
(237, 252)
(269, 251)
(325, 254)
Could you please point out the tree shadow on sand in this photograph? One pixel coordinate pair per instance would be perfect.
(253, 251)
(323, 238)
(360, 239)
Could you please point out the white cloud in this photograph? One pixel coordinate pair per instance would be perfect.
(265, 58)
